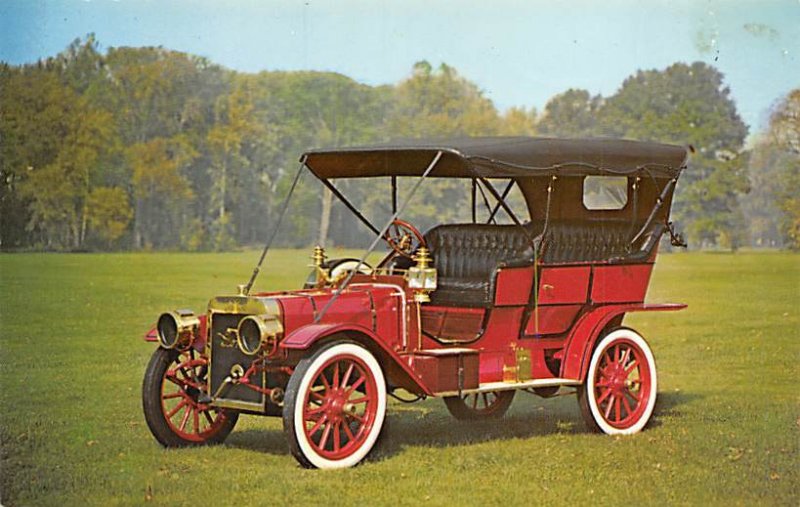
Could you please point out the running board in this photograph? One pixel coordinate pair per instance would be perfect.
(510, 386)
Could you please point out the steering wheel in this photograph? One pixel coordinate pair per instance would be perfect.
(404, 238)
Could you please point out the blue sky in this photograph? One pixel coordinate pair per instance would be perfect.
(520, 53)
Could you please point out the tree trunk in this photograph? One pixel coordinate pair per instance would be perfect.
(84, 220)
(223, 189)
(137, 225)
(76, 236)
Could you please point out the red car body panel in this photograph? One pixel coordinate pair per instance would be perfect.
(462, 325)
(513, 286)
(550, 320)
(564, 285)
(375, 307)
(620, 283)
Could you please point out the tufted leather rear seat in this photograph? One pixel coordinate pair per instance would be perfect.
(586, 241)
(595, 241)
(467, 256)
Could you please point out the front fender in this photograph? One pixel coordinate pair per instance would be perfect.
(305, 336)
(585, 334)
(151, 336)
(397, 369)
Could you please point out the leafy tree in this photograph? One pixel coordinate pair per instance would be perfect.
(109, 213)
(53, 141)
(25, 142)
(316, 110)
(156, 91)
(519, 121)
(760, 207)
(573, 113)
(161, 190)
(164, 108)
(441, 103)
(713, 201)
(235, 134)
(82, 67)
(683, 104)
(784, 123)
(689, 104)
(51, 207)
(784, 140)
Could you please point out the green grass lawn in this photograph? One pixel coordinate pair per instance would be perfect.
(726, 429)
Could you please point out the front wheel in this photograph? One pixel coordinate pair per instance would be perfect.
(620, 389)
(477, 406)
(173, 383)
(335, 406)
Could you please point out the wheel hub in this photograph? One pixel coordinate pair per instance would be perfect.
(337, 405)
(618, 379)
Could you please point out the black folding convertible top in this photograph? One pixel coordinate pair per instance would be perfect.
(500, 157)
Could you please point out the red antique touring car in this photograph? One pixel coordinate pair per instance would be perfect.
(469, 312)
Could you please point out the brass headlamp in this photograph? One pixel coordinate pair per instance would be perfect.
(259, 334)
(177, 330)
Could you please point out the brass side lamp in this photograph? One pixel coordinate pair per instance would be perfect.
(422, 278)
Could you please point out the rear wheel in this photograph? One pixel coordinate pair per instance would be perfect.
(619, 394)
(335, 406)
(476, 406)
(173, 384)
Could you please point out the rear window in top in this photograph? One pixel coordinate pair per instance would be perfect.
(605, 192)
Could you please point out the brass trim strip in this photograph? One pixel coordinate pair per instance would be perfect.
(510, 386)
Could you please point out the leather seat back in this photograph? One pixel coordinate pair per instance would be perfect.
(583, 241)
(469, 251)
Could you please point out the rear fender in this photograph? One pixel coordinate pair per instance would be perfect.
(398, 372)
(586, 332)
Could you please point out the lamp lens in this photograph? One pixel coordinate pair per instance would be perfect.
(250, 336)
(167, 331)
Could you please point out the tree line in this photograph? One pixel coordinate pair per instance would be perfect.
(148, 148)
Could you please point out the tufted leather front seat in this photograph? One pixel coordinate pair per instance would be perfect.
(467, 256)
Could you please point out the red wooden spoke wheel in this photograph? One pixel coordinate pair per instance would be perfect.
(173, 384)
(620, 389)
(404, 238)
(335, 406)
(488, 405)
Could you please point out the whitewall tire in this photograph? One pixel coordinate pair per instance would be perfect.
(335, 406)
(619, 393)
